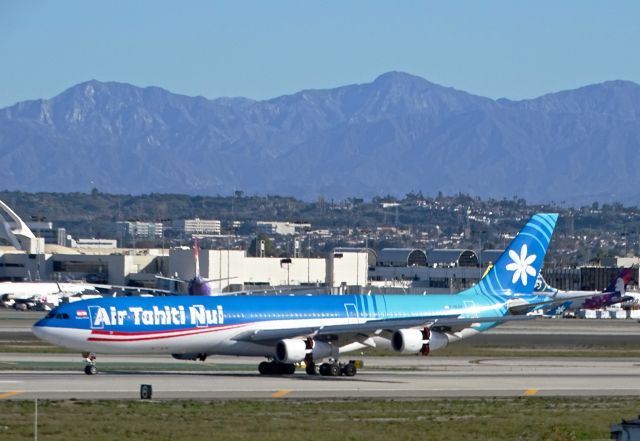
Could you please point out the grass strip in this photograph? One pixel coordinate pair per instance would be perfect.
(527, 419)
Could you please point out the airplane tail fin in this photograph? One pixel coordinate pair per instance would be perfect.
(542, 287)
(620, 282)
(557, 309)
(516, 269)
(614, 293)
(196, 258)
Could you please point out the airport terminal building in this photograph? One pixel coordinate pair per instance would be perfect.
(344, 269)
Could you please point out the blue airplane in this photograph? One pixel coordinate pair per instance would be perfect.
(292, 329)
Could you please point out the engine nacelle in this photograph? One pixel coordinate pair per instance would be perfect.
(418, 341)
(193, 356)
(438, 340)
(294, 350)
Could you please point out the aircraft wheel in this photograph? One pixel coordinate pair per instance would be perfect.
(324, 369)
(334, 370)
(310, 368)
(90, 369)
(349, 370)
(264, 368)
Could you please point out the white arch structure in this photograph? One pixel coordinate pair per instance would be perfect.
(21, 236)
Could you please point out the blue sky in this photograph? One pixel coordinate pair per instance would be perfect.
(263, 49)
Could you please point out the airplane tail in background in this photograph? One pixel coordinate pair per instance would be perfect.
(614, 293)
(620, 282)
(542, 287)
(196, 258)
(516, 270)
(557, 309)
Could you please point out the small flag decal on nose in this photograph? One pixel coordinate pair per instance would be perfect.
(81, 313)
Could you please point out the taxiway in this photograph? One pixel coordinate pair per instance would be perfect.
(382, 377)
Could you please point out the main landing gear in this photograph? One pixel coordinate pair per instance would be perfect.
(89, 363)
(334, 369)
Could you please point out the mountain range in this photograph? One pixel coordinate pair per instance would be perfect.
(397, 134)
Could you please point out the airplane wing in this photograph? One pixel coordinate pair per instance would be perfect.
(175, 279)
(172, 279)
(248, 292)
(268, 336)
(135, 289)
(284, 290)
(219, 279)
(517, 308)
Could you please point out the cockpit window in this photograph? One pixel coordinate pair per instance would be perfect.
(50, 315)
(63, 316)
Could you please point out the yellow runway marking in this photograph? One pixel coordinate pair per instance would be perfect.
(11, 393)
(279, 394)
(530, 392)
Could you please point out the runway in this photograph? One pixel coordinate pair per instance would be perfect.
(60, 376)
(382, 377)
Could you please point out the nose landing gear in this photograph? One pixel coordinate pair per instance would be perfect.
(89, 363)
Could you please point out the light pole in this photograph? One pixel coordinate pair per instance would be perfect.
(287, 262)
(162, 221)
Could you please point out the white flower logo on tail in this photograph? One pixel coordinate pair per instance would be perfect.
(521, 265)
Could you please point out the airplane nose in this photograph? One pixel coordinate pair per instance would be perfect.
(43, 332)
(37, 330)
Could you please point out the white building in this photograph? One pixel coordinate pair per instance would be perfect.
(202, 226)
(95, 243)
(232, 269)
(140, 229)
(282, 228)
(348, 267)
(436, 271)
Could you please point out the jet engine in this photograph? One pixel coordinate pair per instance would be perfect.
(418, 341)
(294, 350)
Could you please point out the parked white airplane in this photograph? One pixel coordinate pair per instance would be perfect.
(45, 295)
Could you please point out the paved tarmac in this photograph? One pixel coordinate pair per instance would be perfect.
(382, 377)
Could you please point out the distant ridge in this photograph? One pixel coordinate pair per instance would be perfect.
(397, 134)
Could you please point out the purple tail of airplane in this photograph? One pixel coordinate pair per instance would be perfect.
(614, 293)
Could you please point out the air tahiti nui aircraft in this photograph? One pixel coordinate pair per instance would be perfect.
(292, 329)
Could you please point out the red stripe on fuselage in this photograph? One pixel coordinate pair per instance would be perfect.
(121, 336)
(164, 331)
